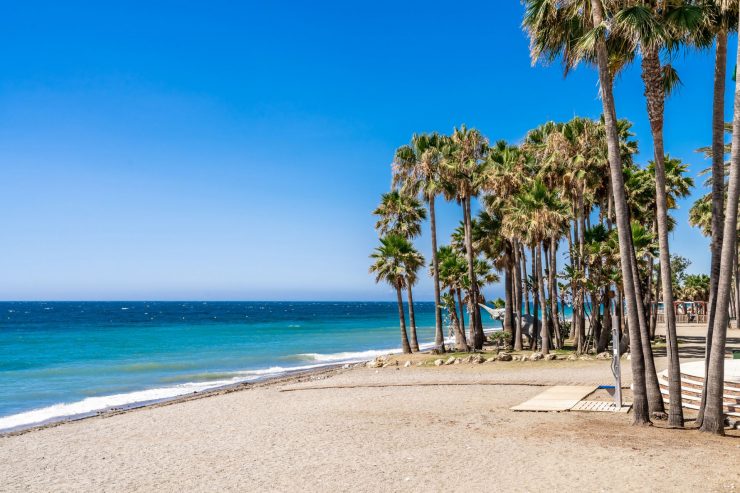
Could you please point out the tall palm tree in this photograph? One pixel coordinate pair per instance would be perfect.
(416, 168)
(402, 214)
(413, 261)
(465, 153)
(722, 19)
(389, 266)
(452, 273)
(713, 419)
(658, 26)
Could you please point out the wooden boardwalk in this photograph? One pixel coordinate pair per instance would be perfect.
(557, 398)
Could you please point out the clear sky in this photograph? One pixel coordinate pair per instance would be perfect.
(234, 150)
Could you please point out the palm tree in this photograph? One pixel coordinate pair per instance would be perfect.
(389, 266)
(722, 19)
(577, 30)
(465, 153)
(695, 287)
(655, 27)
(713, 419)
(402, 214)
(416, 168)
(413, 261)
(452, 273)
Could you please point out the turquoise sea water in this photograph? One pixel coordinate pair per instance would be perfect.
(64, 359)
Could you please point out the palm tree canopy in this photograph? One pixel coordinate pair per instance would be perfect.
(395, 261)
(399, 213)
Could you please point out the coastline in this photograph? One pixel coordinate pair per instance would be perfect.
(397, 427)
(295, 376)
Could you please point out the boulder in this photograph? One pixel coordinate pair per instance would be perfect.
(516, 358)
(491, 360)
(450, 361)
(439, 362)
(604, 355)
(504, 356)
(536, 356)
(551, 356)
(572, 357)
(477, 359)
(458, 361)
(524, 358)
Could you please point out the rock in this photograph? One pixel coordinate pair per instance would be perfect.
(551, 357)
(604, 355)
(469, 359)
(536, 356)
(458, 361)
(504, 357)
(408, 363)
(478, 359)
(450, 361)
(572, 357)
(516, 358)
(585, 358)
(346, 367)
(524, 358)
(439, 362)
(491, 360)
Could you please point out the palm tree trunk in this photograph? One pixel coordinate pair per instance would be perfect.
(439, 337)
(582, 268)
(525, 289)
(462, 310)
(718, 196)
(509, 308)
(641, 414)
(606, 330)
(412, 318)
(656, 405)
(476, 332)
(544, 332)
(402, 317)
(460, 343)
(713, 421)
(652, 77)
(654, 305)
(518, 302)
(554, 291)
(536, 325)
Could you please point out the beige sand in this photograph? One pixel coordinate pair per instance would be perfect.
(375, 430)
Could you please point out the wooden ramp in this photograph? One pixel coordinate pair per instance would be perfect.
(558, 398)
(601, 406)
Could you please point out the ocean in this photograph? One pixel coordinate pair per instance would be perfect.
(63, 359)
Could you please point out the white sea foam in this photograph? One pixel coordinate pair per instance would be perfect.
(349, 356)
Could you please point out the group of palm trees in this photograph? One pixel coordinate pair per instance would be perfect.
(610, 34)
(574, 186)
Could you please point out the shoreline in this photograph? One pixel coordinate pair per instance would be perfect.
(287, 373)
(295, 376)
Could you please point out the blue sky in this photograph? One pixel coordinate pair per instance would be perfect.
(234, 150)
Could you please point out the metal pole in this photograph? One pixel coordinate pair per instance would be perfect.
(616, 370)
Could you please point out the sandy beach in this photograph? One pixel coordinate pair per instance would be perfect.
(398, 428)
